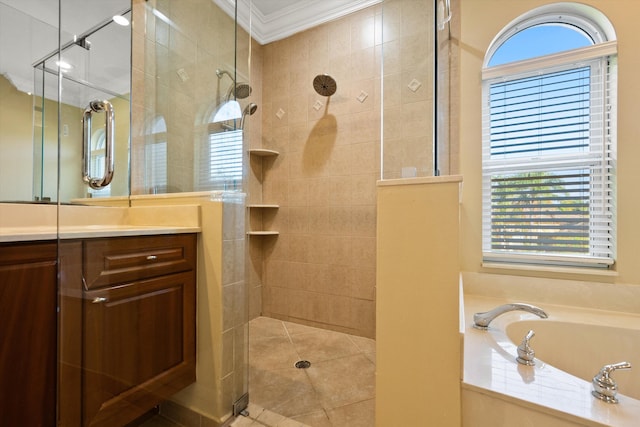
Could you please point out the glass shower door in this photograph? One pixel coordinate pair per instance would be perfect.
(93, 68)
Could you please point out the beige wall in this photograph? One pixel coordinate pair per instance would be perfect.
(418, 341)
(481, 21)
(320, 270)
(16, 143)
(20, 126)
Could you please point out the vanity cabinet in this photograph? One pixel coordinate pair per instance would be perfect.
(136, 343)
(28, 298)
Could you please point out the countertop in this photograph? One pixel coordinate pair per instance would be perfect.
(29, 222)
(23, 234)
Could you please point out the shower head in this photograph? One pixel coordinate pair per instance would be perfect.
(324, 84)
(249, 109)
(242, 90)
(238, 90)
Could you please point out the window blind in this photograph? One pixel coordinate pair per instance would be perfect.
(155, 156)
(221, 164)
(548, 165)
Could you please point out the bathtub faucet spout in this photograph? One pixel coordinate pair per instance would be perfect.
(482, 320)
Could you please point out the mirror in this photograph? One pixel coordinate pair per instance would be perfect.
(45, 88)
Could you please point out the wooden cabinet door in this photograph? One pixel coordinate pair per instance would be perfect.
(28, 277)
(138, 347)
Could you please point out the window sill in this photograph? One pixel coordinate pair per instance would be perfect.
(535, 268)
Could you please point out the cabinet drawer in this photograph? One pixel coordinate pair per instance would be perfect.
(123, 259)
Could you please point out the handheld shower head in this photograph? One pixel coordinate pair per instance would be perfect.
(249, 109)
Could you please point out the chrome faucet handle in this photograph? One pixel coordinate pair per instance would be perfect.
(526, 355)
(605, 388)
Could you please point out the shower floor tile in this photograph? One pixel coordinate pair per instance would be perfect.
(337, 390)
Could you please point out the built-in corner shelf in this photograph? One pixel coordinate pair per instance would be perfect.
(263, 233)
(263, 152)
(262, 206)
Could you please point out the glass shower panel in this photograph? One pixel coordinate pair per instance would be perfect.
(45, 135)
(443, 147)
(410, 90)
(93, 65)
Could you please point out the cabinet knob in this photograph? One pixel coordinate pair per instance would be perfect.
(151, 257)
(98, 300)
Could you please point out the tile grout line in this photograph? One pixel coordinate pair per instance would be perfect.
(309, 379)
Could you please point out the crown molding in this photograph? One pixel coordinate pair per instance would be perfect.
(300, 16)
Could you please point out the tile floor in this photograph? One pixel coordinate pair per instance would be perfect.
(337, 390)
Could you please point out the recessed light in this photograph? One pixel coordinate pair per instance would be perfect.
(64, 66)
(120, 20)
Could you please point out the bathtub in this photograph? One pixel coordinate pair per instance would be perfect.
(571, 346)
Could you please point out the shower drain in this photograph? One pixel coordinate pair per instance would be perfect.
(302, 364)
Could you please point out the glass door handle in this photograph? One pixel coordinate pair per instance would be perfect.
(97, 107)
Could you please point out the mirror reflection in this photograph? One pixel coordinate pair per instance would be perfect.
(45, 89)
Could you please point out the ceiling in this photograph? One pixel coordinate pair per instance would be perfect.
(271, 20)
(28, 34)
(22, 23)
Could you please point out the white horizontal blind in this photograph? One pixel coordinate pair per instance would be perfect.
(221, 163)
(155, 158)
(548, 158)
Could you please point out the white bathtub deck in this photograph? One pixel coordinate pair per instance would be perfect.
(491, 370)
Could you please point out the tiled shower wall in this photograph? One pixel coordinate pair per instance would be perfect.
(320, 270)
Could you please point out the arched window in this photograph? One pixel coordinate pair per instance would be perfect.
(98, 154)
(549, 121)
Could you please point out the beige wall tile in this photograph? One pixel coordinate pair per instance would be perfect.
(325, 184)
(299, 193)
(362, 281)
